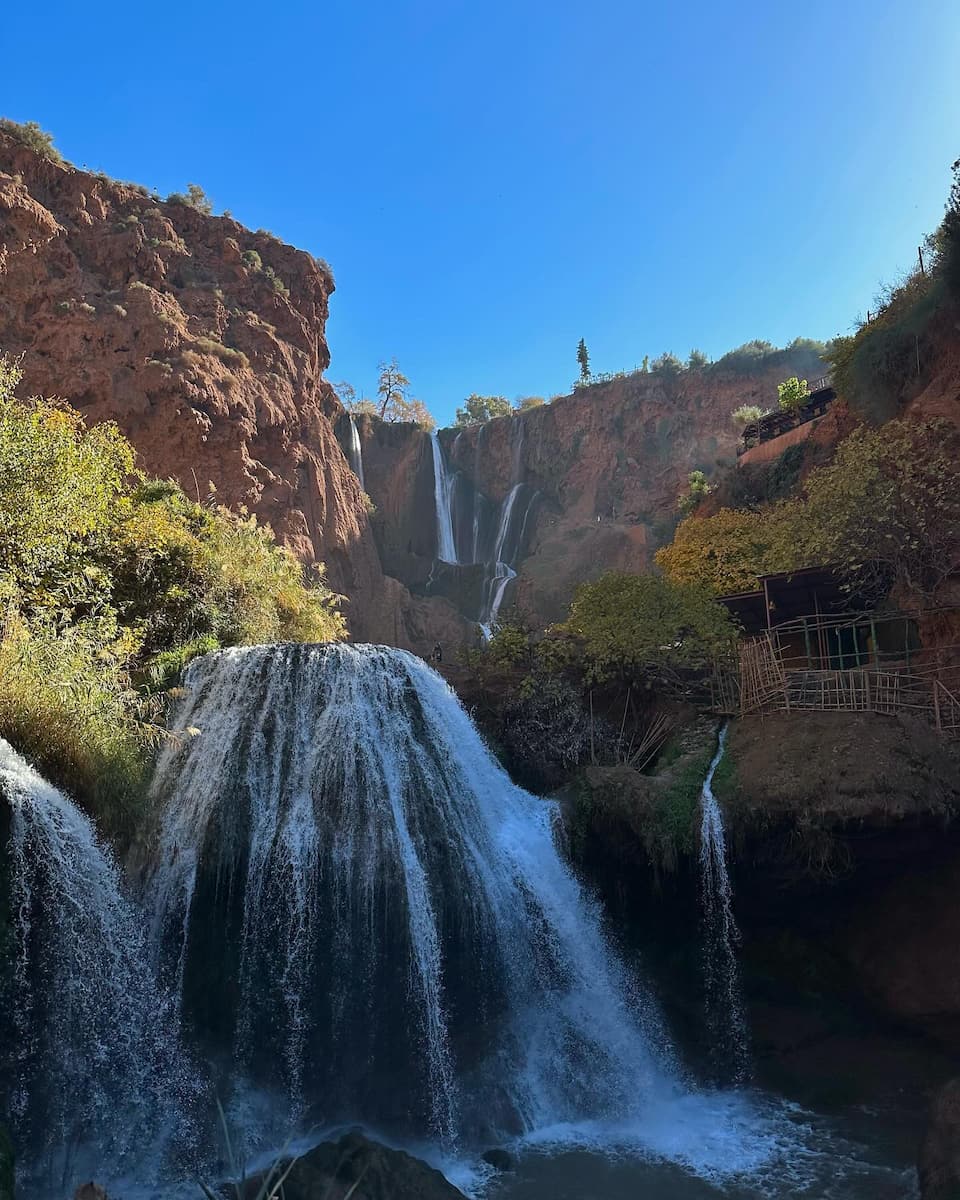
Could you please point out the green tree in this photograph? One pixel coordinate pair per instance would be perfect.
(886, 510)
(792, 393)
(643, 627)
(195, 197)
(478, 409)
(728, 552)
(583, 358)
(697, 360)
(392, 388)
(645, 365)
(525, 403)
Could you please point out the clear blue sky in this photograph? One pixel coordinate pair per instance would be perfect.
(491, 181)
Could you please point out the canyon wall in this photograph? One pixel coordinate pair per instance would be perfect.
(205, 342)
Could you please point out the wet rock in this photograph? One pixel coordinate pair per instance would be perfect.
(90, 1191)
(939, 1165)
(363, 1169)
(499, 1159)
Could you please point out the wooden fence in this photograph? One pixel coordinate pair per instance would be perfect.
(763, 682)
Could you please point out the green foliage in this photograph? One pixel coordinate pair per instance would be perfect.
(667, 366)
(252, 260)
(728, 551)
(583, 359)
(792, 393)
(885, 513)
(108, 583)
(194, 197)
(477, 409)
(276, 282)
(697, 360)
(697, 490)
(525, 403)
(30, 134)
(643, 627)
(950, 236)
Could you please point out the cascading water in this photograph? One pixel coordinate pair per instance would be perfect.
(99, 1082)
(467, 534)
(356, 452)
(344, 865)
(442, 495)
(724, 1003)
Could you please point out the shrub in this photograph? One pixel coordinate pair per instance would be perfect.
(252, 260)
(792, 393)
(525, 403)
(194, 197)
(108, 581)
(276, 282)
(698, 489)
(30, 134)
(697, 360)
(88, 309)
(746, 414)
(227, 354)
(667, 365)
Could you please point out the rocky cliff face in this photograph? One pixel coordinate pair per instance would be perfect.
(595, 476)
(205, 343)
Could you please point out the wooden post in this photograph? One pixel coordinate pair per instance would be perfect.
(936, 704)
(920, 256)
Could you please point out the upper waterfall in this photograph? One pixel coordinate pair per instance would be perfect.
(356, 451)
(442, 494)
(382, 892)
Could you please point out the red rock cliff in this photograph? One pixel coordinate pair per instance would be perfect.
(205, 343)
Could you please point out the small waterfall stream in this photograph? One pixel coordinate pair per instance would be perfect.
(100, 1084)
(724, 1002)
(356, 452)
(442, 497)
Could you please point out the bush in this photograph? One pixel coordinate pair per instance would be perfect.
(109, 583)
(30, 134)
(252, 260)
(697, 360)
(698, 489)
(667, 365)
(227, 354)
(194, 197)
(746, 414)
(478, 409)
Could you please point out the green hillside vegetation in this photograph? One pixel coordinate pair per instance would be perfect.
(109, 583)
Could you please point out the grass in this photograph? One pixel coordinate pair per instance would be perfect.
(226, 354)
(73, 712)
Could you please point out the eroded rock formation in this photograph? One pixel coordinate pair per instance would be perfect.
(205, 343)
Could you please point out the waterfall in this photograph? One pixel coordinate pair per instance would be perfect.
(344, 866)
(442, 492)
(725, 1016)
(356, 452)
(99, 1082)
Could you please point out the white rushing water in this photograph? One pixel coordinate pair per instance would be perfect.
(442, 496)
(356, 452)
(99, 1082)
(725, 1014)
(410, 948)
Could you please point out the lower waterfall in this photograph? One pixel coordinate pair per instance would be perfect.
(98, 1084)
(398, 938)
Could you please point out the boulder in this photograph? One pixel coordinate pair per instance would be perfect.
(360, 1168)
(939, 1165)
